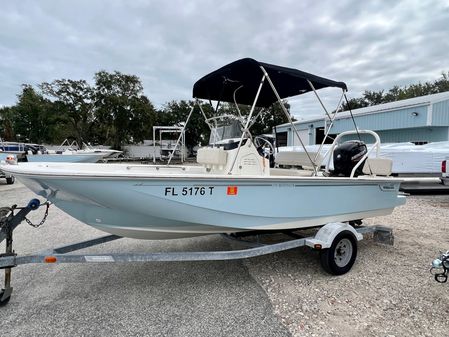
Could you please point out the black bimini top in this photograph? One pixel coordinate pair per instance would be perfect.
(221, 84)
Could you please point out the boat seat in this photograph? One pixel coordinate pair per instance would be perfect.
(211, 156)
(293, 158)
(378, 166)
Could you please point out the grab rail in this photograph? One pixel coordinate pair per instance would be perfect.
(157, 167)
(376, 146)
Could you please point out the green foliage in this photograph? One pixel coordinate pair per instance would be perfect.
(175, 114)
(114, 111)
(397, 93)
(124, 114)
(265, 119)
(30, 119)
(73, 106)
(7, 123)
(269, 118)
(197, 130)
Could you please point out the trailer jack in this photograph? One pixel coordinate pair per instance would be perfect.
(8, 222)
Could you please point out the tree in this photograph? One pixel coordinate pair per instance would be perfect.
(175, 114)
(355, 103)
(31, 116)
(197, 130)
(74, 104)
(397, 93)
(264, 120)
(269, 118)
(123, 112)
(7, 123)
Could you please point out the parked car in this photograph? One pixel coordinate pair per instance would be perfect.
(445, 172)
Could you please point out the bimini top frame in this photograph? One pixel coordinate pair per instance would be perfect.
(245, 74)
(242, 82)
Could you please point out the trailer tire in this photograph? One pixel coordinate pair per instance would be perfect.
(339, 258)
(10, 180)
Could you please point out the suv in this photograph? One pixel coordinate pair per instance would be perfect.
(445, 172)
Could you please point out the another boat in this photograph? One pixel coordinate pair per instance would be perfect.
(233, 189)
(11, 147)
(66, 156)
(39, 153)
(17, 149)
(70, 152)
(88, 149)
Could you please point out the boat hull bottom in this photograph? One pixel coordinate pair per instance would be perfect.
(149, 233)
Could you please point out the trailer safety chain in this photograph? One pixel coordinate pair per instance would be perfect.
(43, 219)
(441, 263)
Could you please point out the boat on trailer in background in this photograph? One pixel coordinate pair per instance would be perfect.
(66, 152)
(233, 189)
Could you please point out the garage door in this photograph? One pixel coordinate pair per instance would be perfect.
(304, 134)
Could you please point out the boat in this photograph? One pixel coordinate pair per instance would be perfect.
(88, 149)
(70, 152)
(66, 156)
(39, 153)
(11, 147)
(233, 188)
(16, 149)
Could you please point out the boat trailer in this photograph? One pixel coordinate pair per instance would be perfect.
(337, 243)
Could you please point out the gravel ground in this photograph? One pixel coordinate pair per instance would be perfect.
(389, 291)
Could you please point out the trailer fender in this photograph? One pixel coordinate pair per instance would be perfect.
(326, 235)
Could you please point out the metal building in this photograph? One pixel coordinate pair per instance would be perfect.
(419, 120)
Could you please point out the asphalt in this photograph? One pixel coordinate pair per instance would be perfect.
(424, 186)
(134, 299)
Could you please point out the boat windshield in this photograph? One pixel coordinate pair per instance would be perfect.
(225, 129)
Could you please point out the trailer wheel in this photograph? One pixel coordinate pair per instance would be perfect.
(4, 301)
(10, 180)
(340, 257)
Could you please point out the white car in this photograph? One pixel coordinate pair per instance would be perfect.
(445, 172)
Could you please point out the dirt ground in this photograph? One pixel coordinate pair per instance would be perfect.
(389, 291)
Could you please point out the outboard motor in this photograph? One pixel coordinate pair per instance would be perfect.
(346, 156)
(30, 148)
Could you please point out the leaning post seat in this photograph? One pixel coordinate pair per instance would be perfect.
(378, 166)
(212, 157)
(296, 158)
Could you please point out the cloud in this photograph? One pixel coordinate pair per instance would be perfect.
(371, 45)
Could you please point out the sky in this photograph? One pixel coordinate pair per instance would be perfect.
(370, 45)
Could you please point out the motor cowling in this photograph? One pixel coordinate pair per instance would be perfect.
(346, 156)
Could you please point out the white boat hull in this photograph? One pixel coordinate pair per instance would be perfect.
(159, 206)
(67, 158)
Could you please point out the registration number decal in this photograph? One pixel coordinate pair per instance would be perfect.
(188, 191)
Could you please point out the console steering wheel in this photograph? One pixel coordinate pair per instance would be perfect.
(264, 145)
